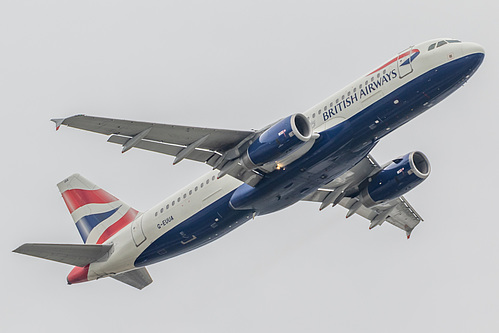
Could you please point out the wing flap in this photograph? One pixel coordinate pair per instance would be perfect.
(138, 278)
(71, 254)
(400, 212)
(250, 177)
(164, 148)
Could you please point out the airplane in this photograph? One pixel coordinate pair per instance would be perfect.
(321, 155)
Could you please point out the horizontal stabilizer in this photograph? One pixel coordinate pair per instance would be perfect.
(137, 278)
(72, 254)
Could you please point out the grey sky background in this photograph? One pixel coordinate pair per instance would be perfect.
(242, 65)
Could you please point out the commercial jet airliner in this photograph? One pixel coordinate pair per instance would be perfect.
(320, 155)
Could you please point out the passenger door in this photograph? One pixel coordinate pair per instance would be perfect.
(404, 62)
(137, 232)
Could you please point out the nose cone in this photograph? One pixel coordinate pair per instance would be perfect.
(78, 274)
(473, 55)
(473, 48)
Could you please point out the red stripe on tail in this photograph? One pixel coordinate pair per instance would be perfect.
(77, 198)
(78, 274)
(118, 225)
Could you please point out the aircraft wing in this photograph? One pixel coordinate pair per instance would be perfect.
(207, 145)
(344, 191)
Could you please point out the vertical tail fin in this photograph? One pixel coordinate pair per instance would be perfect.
(97, 214)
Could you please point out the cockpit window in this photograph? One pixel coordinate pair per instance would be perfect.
(441, 43)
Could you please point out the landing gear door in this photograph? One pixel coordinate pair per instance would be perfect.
(404, 62)
(137, 232)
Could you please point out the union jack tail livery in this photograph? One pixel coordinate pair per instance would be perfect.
(97, 214)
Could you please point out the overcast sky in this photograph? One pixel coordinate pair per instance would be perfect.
(229, 64)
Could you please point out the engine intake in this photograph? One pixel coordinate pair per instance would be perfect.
(396, 179)
(282, 139)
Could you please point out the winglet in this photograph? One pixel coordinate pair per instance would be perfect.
(408, 232)
(58, 122)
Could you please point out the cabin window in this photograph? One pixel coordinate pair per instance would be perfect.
(167, 206)
(156, 214)
(190, 192)
(331, 104)
(173, 203)
(313, 115)
(178, 199)
(337, 100)
(185, 195)
(161, 211)
(202, 184)
(213, 178)
(195, 189)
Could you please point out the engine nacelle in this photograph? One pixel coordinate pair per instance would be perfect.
(283, 138)
(396, 179)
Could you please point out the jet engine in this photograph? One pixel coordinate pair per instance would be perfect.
(396, 179)
(281, 139)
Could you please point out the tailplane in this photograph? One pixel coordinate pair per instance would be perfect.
(97, 214)
(72, 254)
(81, 256)
(137, 278)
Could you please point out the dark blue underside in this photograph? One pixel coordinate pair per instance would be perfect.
(207, 225)
(337, 150)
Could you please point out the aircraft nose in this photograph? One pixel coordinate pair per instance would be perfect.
(473, 55)
(472, 48)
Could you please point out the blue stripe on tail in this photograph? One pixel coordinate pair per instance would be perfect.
(87, 223)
